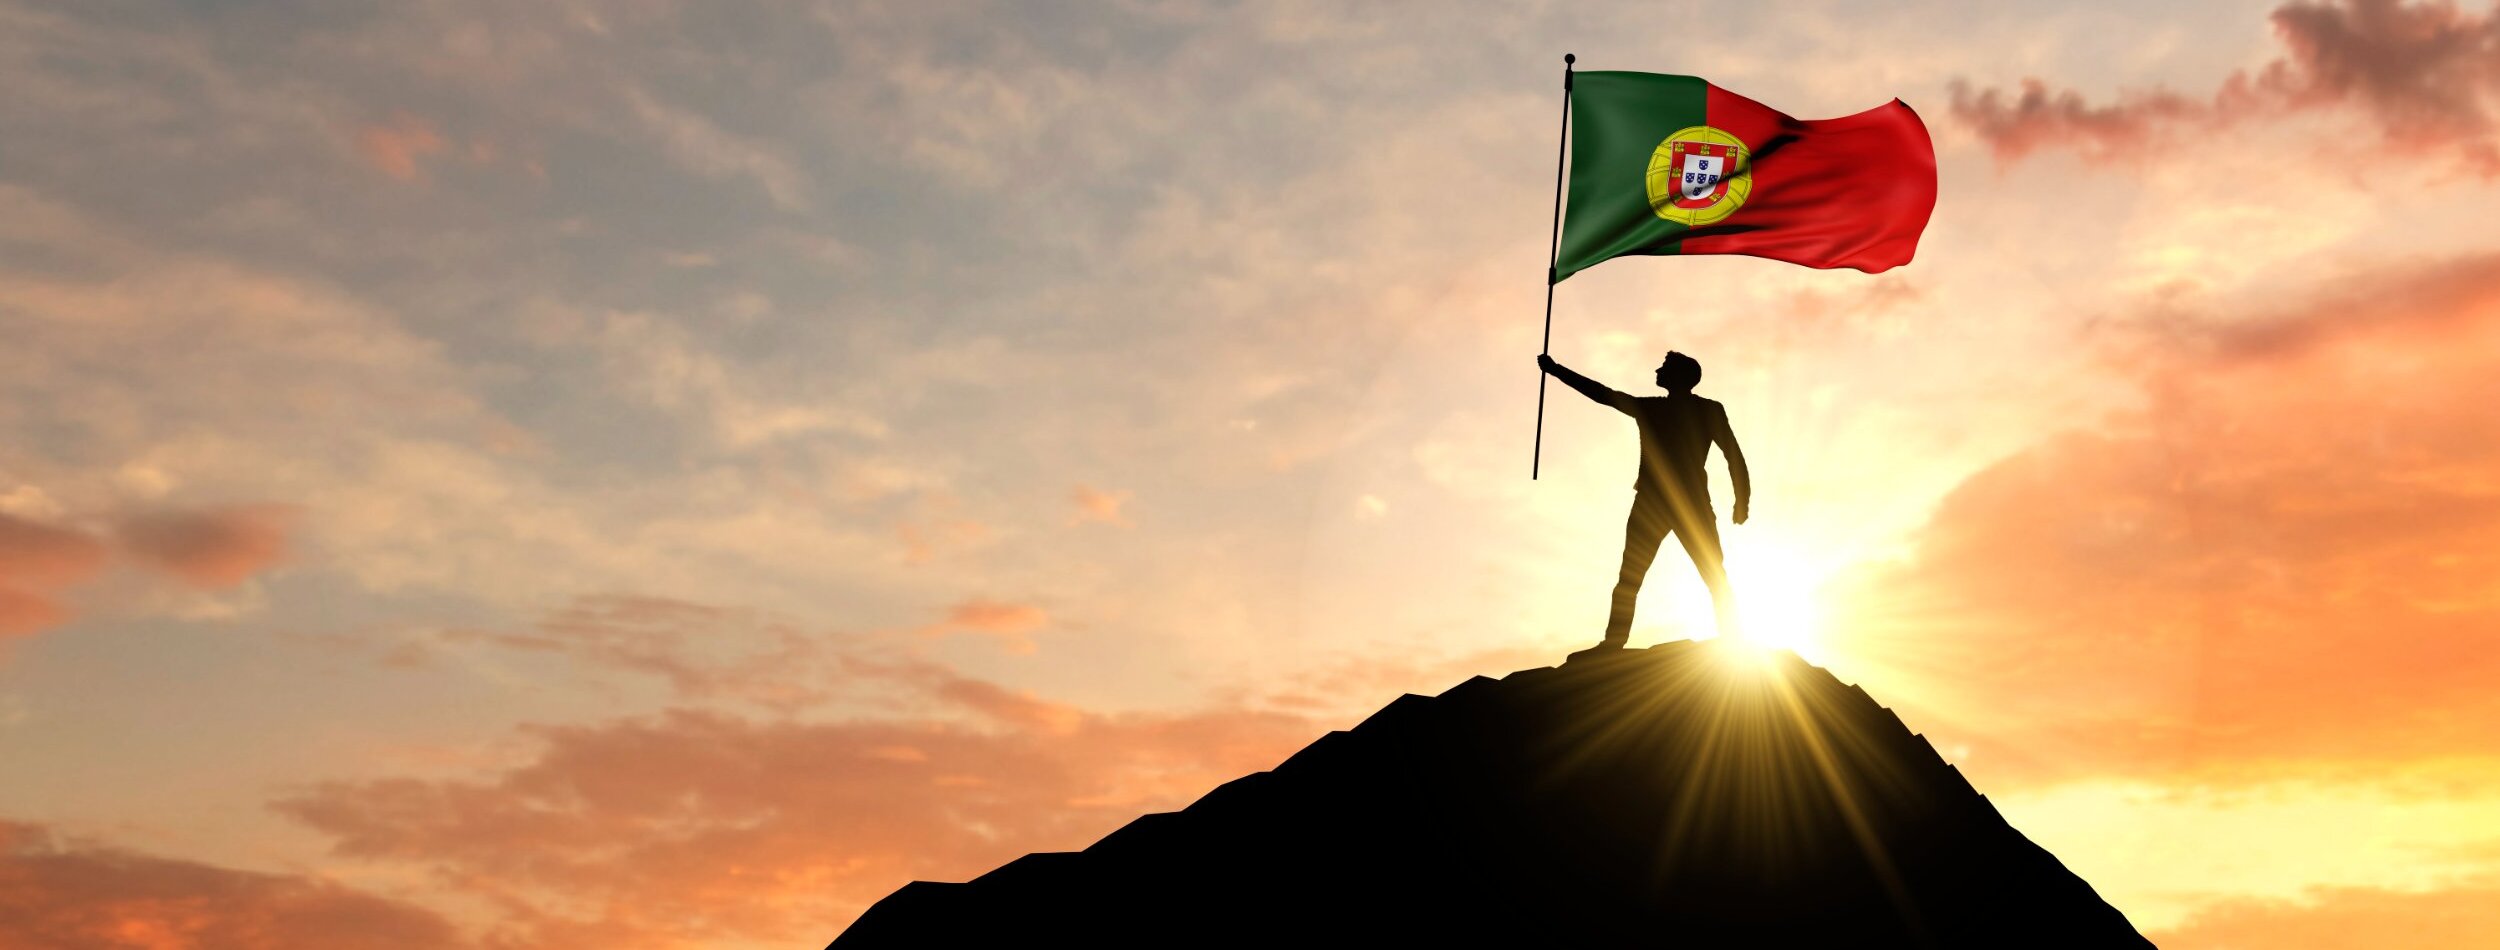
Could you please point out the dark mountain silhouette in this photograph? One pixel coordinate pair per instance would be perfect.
(1686, 795)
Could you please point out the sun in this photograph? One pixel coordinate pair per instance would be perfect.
(1778, 595)
(1778, 588)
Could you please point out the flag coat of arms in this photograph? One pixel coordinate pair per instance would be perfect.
(1674, 165)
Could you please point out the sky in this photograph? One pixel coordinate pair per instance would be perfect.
(665, 474)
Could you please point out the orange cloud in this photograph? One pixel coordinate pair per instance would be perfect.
(990, 616)
(35, 553)
(2347, 918)
(2288, 557)
(36, 560)
(22, 613)
(68, 894)
(211, 549)
(1102, 506)
(2424, 72)
(705, 828)
(398, 148)
(1005, 621)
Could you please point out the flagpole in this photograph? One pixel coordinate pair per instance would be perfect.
(1553, 260)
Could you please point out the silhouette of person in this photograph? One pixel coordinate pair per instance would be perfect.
(1672, 493)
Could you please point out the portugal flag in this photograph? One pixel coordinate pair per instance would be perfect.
(1674, 165)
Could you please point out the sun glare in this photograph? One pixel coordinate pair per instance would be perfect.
(1777, 587)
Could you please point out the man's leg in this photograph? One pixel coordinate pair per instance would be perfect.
(1641, 533)
(1700, 534)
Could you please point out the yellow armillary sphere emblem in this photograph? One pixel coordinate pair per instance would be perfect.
(1699, 175)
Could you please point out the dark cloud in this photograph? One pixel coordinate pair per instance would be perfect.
(211, 549)
(58, 894)
(2015, 124)
(2427, 74)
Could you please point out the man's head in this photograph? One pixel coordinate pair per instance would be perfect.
(1679, 373)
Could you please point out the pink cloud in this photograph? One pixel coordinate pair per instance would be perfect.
(211, 549)
(398, 148)
(2428, 74)
(62, 894)
(36, 562)
(2286, 559)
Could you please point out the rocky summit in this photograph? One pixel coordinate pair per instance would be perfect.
(1686, 795)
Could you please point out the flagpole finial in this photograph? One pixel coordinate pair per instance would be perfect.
(1569, 59)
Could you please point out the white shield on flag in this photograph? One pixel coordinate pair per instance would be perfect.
(1703, 172)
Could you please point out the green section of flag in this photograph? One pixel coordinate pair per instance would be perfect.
(1617, 121)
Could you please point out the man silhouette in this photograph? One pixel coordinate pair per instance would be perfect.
(1673, 490)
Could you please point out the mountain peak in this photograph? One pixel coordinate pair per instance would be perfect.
(1686, 794)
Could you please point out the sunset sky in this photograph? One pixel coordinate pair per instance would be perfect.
(665, 474)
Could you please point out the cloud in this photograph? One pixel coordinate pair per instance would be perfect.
(2348, 918)
(1008, 622)
(2427, 74)
(233, 381)
(990, 616)
(398, 148)
(713, 654)
(36, 561)
(23, 613)
(2015, 125)
(2038, 118)
(710, 828)
(31, 552)
(1097, 505)
(212, 549)
(657, 360)
(207, 548)
(923, 540)
(706, 149)
(703, 652)
(2284, 558)
(57, 893)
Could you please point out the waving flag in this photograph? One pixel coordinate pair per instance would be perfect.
(1674, 165)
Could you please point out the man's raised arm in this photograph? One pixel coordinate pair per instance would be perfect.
(1725, 436)
(1596, 391)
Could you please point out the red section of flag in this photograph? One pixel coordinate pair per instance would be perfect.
(1847, 192)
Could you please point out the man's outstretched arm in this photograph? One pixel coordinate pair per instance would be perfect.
(1596, 391)
(1724, 435)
